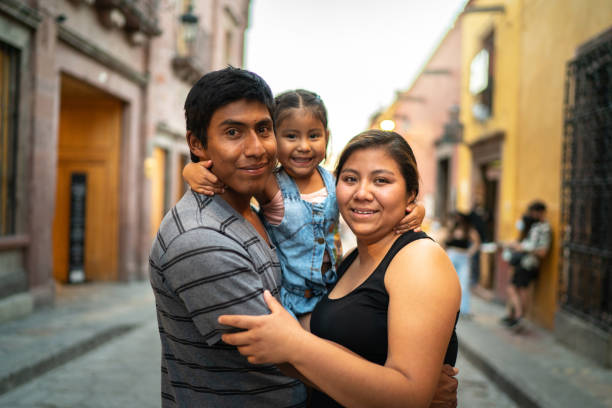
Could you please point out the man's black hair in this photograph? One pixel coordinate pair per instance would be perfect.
(217, 89)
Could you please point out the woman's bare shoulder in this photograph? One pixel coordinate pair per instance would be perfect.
(422, 263)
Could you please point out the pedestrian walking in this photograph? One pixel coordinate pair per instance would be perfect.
(461, 243)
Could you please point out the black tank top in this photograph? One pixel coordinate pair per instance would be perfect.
(358, 321)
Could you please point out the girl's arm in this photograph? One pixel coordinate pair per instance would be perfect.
(424, 297)
(415, 213)
(202, 180)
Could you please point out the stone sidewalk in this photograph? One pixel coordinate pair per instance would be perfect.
(530, 366)
(84, 317)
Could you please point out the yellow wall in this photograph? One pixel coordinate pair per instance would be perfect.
(534, 41)
(505, 107)
(551, 32)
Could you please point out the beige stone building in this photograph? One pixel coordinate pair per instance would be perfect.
(92, 132)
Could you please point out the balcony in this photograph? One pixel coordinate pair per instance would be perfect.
(137, 17)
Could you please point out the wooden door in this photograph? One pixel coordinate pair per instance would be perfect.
(89, 135)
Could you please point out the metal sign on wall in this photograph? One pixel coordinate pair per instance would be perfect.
(76, 255)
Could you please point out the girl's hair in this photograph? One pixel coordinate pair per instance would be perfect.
(394, 145)
(299, 98)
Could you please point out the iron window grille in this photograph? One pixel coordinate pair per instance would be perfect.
(586, 268)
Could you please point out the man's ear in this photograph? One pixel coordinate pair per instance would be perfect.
(196, 147)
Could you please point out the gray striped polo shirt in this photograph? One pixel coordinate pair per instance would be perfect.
(207, 260)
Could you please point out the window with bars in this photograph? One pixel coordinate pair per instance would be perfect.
(586, 275)
(9, 102)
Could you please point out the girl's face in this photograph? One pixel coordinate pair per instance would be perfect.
(301, 140)
(371, 194)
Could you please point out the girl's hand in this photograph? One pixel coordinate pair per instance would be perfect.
(268, 339)
(415, 213)
(201, 179)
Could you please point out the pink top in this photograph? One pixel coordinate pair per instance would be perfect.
(275, 209)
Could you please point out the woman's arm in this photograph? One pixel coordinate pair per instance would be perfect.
(475, 240)
(424, 298)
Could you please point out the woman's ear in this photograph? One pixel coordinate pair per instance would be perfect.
(196, 147)
(411, 198)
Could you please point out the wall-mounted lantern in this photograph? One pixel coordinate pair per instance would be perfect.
(453, 129)
(189, 24)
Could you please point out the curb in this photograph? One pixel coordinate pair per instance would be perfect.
(59, 358)
(504, 383)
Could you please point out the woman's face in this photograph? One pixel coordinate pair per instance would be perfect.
(371, 194)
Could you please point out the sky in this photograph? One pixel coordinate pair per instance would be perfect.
(354, 53)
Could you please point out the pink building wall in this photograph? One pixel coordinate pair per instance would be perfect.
(425, 105)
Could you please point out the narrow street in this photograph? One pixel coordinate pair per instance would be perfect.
(125, 373)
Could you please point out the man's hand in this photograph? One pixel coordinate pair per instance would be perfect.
(446, 393)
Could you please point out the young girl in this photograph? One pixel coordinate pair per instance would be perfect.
(299, 206)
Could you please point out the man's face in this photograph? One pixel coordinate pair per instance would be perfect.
(539, 215)
(242, 147)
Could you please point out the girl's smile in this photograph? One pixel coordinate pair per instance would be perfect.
(301, 143)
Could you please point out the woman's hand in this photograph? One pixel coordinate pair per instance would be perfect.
(268, 339)
(201, 179)
(415, 213)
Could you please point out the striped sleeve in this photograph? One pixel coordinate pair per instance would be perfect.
(212, 275)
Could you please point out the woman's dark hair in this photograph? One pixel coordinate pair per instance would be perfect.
(461, 221)
(299, 98)
(394, 145)
(217, 89)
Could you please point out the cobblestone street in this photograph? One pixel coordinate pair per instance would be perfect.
(125, 373)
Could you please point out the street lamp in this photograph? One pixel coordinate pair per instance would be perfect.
(387, 124)
(189, 23)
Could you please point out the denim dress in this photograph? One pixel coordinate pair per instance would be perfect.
(301, 239)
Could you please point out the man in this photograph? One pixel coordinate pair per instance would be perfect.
(212, 256)
(528, 254)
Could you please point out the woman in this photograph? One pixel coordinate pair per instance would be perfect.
(381, 335)
(461, 244)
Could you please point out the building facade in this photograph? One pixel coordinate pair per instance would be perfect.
(515, 100)
(426, 115)
(92, 100)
